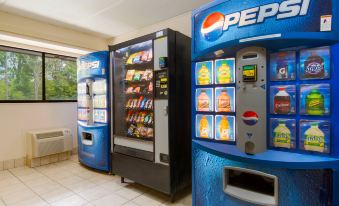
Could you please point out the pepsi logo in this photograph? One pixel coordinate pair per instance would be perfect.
(212, 27)
(216, 23)
(250, 118)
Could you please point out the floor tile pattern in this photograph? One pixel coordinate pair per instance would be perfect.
(68, 183)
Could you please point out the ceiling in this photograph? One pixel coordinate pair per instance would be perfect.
(105, 18)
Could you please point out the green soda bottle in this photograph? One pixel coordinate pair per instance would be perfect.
(315, 103)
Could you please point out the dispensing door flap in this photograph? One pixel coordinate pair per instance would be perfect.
(251, 186)
(87, 138)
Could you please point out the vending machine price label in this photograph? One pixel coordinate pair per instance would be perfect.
(249, 73)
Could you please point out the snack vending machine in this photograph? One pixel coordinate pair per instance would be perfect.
(264, 93)
(93, 111)
(151, 95)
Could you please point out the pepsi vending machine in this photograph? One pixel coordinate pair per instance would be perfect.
(93, 120)
(264, 89)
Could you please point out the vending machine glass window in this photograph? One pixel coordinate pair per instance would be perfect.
(133, 91)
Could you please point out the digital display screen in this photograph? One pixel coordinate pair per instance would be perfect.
(249, 73)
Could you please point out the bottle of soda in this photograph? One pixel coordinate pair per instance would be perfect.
(314, 139)
(224, 129)
(282, 136)
(224, 73)
(282, 67)
(204, 75)
(204, 127)
(314, 66)
(315, 103)
(203, 101)
(282, 102)
(224, 102)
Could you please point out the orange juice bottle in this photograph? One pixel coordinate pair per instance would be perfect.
(224, 129)
(204, 76)
(224, 102)
(203, 101)
(204, 127)
(224, 74)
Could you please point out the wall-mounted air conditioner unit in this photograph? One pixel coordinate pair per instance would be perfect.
(48, 146)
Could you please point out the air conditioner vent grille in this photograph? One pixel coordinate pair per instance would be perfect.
(51, 147)
(49, 135)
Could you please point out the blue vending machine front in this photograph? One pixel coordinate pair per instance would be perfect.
(93, 111)
(264, 92)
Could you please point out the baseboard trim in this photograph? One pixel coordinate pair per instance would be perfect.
(25, 161)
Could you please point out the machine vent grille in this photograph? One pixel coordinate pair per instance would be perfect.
(51, 147)
(49, 135)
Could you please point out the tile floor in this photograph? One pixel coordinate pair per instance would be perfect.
(68, 183)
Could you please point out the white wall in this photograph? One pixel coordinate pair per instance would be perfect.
(181, 23)
(18, 25)
(18, 118)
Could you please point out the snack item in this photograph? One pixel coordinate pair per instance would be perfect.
(150, 87)
(129, 90)
(130, 75)
(137, 75)
(149, 132)
(147, 75)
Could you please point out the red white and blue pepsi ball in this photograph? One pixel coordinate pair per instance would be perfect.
(250, 118)
(212, 27)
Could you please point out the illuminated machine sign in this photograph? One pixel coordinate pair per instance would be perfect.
(89, 65)
(214, 25)
(92, 65)
(232, 22)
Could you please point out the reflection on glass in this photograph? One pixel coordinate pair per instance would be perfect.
(133, 91)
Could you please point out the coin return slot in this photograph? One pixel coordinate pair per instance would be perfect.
(250, 56)
(251, 185)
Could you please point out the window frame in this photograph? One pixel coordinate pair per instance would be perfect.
(43, 74)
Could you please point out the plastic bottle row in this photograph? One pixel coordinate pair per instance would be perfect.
(224, 100)
(224, 129)
(314, 99)
(141, 103)
(98, 87)
(99, 101)
(99, 115)
(314, 135)
(224, 72)
(314, 63)
(139, 118)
